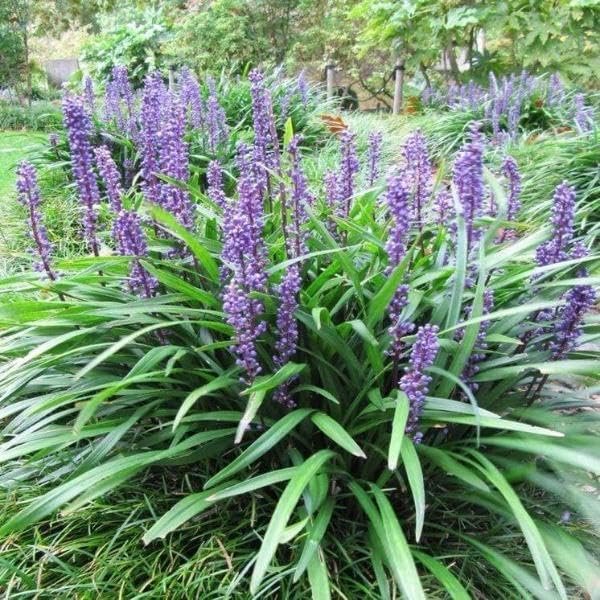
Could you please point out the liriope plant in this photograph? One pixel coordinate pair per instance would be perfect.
(371, 364)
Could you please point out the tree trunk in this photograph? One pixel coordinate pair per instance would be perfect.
(451, 53)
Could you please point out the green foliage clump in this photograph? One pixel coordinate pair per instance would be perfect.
(40, 116)
(129, 37)
(104, 392)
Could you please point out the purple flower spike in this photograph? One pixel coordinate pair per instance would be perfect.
(399, 327)
(468, 181)
(443, 207)
(578, 301)
(173, 161)
(300, 197)
(244, 255)
(349, 168)
(396, 199)
(119, 101)
(419, 172)
(29, 196)
(330, 185)
(130, 240)
(150, 121)
(88, 95)
(415, 382)
(556, 91)
(79, 128)
(214, 176)
(583, 115)
(239, 311)
(216, 121)
(191, 98)
(287, 328)
(375, 142)
(563, 218)
(303, 89)
(112, 179)
(511, 172)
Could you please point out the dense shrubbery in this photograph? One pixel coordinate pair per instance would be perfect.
(362, 375)
(40, 116)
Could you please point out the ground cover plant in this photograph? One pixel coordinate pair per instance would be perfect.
(370, 380)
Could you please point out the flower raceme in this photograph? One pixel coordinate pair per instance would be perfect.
(29, 195)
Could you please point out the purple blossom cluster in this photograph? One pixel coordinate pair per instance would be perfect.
(563, 218)
(349, 167)
(79, 130)
(583, 115)
(396, 199)
(418, 173)
(443, 207)
(173, 161)
(214, 177)
(374, 147)
(287, 328)
(191, 98)
(29, 195)
(89, 95)
(300, 198)
(244, 256)
(216, 120)
(153, 95)
(119, 101)
(130, 241)
(415, 381)
(510, 170)
(399, 327)
(578, 300)
(112, 179)
(468, 181)
(266, 145)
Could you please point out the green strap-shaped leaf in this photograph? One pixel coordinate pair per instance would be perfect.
(283, 512)
(398, 426)
(335, 432)
(261, 446)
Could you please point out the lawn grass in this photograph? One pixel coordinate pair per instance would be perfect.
(14, 147)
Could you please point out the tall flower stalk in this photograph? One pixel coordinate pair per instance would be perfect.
(79, 129)
(111, 176)
(419, 172)
(468, 181)
(374, 147)
(415, 381)
(29, 195)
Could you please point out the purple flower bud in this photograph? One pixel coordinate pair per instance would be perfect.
(415, 382)
(468, 181)
(29, 196)
(130, 240)
(303, 89)
(112, 179)
(563, 217)
(375, 142)
(396, 199)
(79, 128)
(330, 185)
